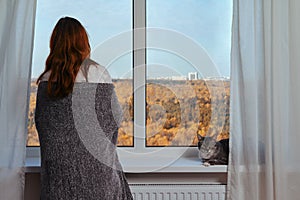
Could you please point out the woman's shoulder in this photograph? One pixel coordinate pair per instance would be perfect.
(46, 76)
(92, 72)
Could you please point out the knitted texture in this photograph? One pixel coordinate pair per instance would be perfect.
(78, 135)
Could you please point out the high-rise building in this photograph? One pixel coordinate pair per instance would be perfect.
(193, 76)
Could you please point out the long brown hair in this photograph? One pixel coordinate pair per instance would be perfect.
(69, 47)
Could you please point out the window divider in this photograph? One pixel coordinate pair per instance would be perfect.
(139, 72)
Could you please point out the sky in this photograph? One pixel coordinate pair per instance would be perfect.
(205, 23)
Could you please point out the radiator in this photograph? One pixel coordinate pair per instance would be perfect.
(177, 192)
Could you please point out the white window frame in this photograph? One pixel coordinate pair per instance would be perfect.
(140, 158)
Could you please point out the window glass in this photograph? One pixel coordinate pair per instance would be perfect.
(188, 69)
(104, 21)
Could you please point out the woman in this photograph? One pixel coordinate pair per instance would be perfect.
(77, 116)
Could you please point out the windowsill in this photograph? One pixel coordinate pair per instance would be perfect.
(181, 165)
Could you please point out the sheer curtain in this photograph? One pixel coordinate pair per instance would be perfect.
(16, 36)
(264, 162)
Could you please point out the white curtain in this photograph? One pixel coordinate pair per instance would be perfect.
(16, 40)
(264, 162)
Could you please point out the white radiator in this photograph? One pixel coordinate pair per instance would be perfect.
(177, 192)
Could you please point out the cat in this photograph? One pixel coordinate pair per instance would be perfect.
(213, 152)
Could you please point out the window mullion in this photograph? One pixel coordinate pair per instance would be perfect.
(139, 75)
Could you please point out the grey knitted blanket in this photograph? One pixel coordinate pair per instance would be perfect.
(78, 136)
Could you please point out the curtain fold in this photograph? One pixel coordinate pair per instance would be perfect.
(16, 42)
(264, 162)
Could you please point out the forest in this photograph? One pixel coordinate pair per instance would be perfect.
(175, 111)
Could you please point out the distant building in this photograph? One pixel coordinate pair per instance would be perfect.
(193, 76)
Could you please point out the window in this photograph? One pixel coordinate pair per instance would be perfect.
(169, 61)
(188, 52)
(102, 23)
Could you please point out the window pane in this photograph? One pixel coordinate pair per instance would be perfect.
(103, 21)
(188, 68)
